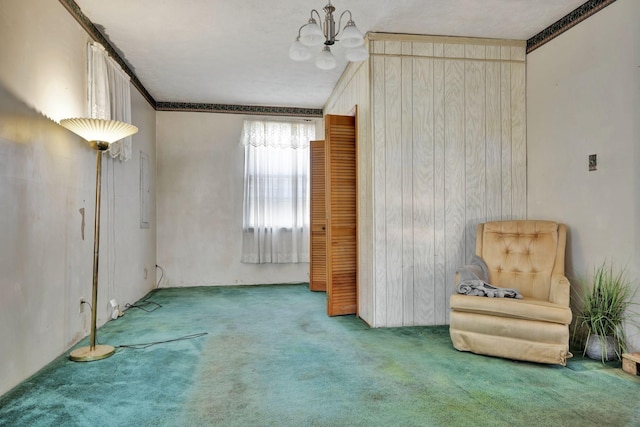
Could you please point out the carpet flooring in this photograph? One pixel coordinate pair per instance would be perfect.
(270, 356)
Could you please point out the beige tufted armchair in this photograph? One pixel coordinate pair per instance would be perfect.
(527, 256)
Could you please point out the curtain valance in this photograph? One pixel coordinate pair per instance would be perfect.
(276, 134)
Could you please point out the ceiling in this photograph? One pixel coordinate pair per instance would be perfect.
(236, 51)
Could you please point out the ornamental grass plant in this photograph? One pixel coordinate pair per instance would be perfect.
(606, 308)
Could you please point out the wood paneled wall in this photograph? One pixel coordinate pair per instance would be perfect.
(443, 148)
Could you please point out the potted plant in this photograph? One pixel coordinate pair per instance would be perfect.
(604, 310)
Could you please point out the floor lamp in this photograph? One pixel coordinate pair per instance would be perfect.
(100, 134)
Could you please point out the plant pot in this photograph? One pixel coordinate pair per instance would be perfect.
(594, 348)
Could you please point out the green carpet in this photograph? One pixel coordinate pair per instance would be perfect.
(271, 357)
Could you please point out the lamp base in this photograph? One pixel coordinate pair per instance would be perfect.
(86, 354)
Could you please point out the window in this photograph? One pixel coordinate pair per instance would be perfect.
(276, 191)
(283, 173)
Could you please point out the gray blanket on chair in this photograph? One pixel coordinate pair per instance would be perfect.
(474, 281)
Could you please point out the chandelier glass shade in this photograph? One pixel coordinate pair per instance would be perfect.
(357, 54)
(351, 36)
(299, 52)
(312, 35)
(325, 59)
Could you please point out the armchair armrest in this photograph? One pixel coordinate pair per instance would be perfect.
(560, 290)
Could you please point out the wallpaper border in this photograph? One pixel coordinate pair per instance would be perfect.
(238, 109)
(568, 21)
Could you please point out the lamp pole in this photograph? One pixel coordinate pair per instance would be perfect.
(95, 352)
(96, 248)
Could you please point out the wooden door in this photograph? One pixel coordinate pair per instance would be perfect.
(340, 193)
(318, 259)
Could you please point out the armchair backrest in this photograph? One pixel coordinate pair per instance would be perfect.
(522, 254)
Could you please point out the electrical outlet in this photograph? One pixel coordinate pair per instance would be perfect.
(82, 302)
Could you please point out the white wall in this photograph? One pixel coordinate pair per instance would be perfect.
(583, 97)
(199, 205)
(47, 175)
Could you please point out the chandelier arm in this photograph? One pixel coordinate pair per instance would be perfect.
(300, 29)
(340, 21)
(317, 14)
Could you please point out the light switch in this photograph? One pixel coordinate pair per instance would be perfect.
(593, 162)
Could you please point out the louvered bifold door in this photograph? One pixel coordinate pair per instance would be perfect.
(318, 259)
(340, 161)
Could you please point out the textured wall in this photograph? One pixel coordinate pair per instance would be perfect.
(200, 190)
(47, 179)
(583, 97)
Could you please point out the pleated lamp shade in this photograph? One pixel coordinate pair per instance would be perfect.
(99, 129)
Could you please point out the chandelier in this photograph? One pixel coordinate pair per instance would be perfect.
(310, 35)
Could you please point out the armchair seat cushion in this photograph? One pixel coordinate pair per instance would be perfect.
(526, 308)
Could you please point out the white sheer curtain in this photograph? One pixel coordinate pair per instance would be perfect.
(276, 191)
(109, 94)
